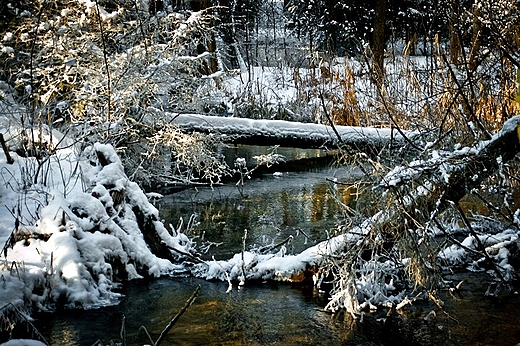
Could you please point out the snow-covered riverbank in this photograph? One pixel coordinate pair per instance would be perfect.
(75, 232)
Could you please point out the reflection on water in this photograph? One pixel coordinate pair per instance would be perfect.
(264, 314)
(281, 314)
(306, 206)
(294, 156)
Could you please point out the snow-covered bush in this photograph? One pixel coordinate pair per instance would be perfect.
(85, 241)
(94, 70)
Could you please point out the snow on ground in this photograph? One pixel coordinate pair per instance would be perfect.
(301, 94)
(23, 342)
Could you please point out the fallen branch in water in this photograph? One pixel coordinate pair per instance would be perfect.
(176, 317)
(413, 197)
(228, 278)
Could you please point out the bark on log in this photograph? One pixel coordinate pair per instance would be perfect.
(290, 134)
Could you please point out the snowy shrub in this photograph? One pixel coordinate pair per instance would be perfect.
(87, 241)
(110, 63)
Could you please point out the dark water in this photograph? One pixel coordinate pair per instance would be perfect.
(295, 159)
(263, 314)
(281, 314)
(306, 206)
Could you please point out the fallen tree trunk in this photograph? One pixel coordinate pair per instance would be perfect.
(430, 186)
(124, 192)
(290, 134)
(419, 192)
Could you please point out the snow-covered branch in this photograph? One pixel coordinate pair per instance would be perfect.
(424, 191)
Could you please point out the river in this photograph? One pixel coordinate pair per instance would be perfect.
(271, 208)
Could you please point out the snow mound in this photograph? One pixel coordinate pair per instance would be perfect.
(22, 342)
(87, 238)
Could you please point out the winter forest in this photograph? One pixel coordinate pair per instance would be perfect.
(109, 107)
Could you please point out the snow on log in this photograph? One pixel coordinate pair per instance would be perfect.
(432, 184)
(288, 133)
(429, 186)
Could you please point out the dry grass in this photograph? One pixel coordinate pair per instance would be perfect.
(420, 93)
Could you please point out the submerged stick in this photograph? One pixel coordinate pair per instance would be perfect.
(22, 317)
(230, 285)
(176, 317)
(243, 278)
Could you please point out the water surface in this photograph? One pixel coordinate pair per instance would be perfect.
(307, 206)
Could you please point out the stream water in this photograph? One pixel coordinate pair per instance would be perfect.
(279, 314)
(272, 208)
(305, 206)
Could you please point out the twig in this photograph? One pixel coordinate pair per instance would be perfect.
(176, 317)
(6, 150)
(450, 237)
(141, 27)
(304, 234)
(330, 120)
(147, 334)
(243, 280)
(230, 287)
(23, 317)
(122, 334)
(109, 92)
(272, 247)
(15, 266)
(480, 246)
(186, 254)
(337, 182)
(494, 208)
(9, 243)
(439, 305)
(392, 119)
(465, 100)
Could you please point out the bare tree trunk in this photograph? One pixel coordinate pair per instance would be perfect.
(454, 32)
(211, 44)
(475, 39)
(378, 42)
